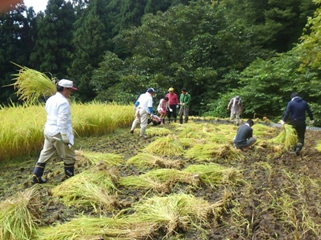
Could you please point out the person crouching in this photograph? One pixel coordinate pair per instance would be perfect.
(244, 138)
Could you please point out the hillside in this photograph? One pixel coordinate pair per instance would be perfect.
(264, 193)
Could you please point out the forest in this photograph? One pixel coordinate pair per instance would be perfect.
(114, 50)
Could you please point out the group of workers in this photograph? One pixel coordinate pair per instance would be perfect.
(296, 109)
(167, 107)
(59, 138)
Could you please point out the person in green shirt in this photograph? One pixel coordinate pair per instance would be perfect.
(184, 102)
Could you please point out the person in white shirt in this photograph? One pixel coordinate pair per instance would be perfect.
(144, 110)
(58, 132)
(236, 107)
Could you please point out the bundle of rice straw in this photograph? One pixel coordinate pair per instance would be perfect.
(288, 137)
(31, 85)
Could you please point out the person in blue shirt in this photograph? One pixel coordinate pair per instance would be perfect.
(297, 109)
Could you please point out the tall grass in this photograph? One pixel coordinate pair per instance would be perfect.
(21, 129)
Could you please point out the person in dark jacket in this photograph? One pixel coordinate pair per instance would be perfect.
(244, 137)
(296, 109)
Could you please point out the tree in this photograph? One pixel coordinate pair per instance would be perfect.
(54, 39)
(15, 45)
(90, 40)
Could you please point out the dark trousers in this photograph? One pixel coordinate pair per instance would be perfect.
(300, 127)
(173, 113)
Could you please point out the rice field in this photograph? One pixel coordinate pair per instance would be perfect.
(182, 182)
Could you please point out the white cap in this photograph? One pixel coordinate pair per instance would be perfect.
(66, 84)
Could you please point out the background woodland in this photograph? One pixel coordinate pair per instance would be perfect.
(114, 49)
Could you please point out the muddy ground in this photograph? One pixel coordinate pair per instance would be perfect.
(257, 210)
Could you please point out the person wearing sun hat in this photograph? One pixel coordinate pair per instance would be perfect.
(58, 132)
(173, 103)
(144, 110)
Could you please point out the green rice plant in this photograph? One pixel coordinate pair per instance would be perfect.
(19, 214)
(160, 180)
(165, 146)
(210, 151)
(177, 212)
(214, 174)
(287, 137)
(146, 161)
(31, 85)
(90, 188)
(109, 159)
(86, 228)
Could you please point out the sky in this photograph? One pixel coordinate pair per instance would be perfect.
(38, 5)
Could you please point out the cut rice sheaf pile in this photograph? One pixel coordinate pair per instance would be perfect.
(287, 137)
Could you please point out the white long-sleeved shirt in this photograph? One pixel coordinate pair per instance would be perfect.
(145, 101)
(59, 116)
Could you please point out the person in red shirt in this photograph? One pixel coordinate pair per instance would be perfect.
(173, 103)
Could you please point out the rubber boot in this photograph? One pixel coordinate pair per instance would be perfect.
(38, 172)
(298, 148)
(70, 170)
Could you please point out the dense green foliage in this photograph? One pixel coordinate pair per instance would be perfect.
(114, 50)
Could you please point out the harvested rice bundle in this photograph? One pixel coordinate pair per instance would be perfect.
(165, 146)
(210, 151)
(147, 161)
(190, 142)
(158, 131)
(139, 182)
(288, 137)
(318, 146)
(192, 130)
(215, 174)
(160, 180)
(18, 215)
(31, 85)
(109, 159)
(263, 130)
(177, 212)
(88, 189)
(99, 228)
